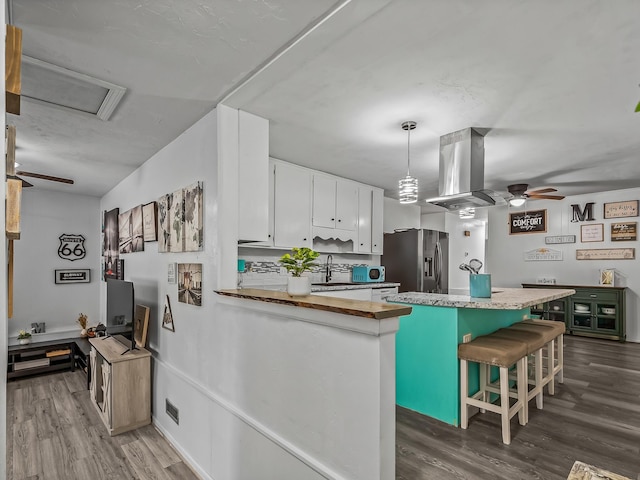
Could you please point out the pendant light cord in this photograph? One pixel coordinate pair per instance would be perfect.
(408, 151)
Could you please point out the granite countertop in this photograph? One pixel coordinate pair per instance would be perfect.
(358, 308)
(501, 298)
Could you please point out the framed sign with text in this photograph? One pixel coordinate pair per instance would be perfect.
(623, 231)
(621, 209)
(606, 254)
(73, 276)
(592, 232)
(534, 221)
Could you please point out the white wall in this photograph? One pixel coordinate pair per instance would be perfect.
(3, 283)
(397, 216)
(45, 216)
(228, 372)
(508, 268)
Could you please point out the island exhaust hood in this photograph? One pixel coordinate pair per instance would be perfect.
(461, 174)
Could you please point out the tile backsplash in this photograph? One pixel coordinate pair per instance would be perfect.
(271, 273)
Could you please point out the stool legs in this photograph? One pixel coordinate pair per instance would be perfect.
(551, 365)
(464, 394)
(561, 359)
(504, 405)
(482, 398)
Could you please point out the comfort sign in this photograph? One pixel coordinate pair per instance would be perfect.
(534, 221)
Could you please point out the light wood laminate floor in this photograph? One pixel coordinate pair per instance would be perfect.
(594, 418)
(54, 433)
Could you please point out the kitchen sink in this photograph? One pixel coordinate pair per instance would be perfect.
(333, 284)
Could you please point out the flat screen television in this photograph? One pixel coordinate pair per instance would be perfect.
(120, 308)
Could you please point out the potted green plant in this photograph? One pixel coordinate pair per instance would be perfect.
(24, 337)
(300, 261)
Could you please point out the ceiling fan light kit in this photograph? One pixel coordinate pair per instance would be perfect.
(408, 186)
(517, 201)
(520, 193)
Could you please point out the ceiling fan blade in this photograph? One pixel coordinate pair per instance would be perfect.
(546, 197)
(542, 190)
(46, 177)
(25, 184)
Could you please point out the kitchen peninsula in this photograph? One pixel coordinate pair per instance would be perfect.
(427, 367)
(325, 375)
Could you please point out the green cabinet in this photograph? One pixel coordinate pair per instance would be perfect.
(591, 311)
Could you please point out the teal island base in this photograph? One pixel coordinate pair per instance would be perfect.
(427, 367)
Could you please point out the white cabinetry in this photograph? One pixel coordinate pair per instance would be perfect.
(377, 221)
(253, 177)
(334, 203)
(292, 206)
(365, 195)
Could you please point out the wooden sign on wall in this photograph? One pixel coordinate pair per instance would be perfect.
(623, 231)
(534, 221)
(621, 209)
(606, 254)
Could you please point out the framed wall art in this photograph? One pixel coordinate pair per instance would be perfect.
(167, 316)
(606, 254)
(110, 249)
(150, 222)
(621, 209)
(592, 232)
(533, 221)
(73, 276)
(623, 231)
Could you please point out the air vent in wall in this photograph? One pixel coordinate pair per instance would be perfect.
(172, 411)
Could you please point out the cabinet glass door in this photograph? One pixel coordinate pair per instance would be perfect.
(606, 317)
(582, 314)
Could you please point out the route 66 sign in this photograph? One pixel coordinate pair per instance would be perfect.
(71, 247)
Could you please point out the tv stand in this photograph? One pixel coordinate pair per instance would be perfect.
(120, 384)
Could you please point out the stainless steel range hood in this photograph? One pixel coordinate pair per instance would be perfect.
(461, 177)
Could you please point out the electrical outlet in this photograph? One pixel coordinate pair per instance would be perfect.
(466, 338)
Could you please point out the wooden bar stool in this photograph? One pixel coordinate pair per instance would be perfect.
(535, 342)
(551, 330)
(501, 353)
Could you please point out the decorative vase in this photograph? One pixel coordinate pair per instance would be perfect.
(24, 341)
(298, 286)
(83, 332)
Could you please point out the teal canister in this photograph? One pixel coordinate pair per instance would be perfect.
(480, 285)
(241, 265)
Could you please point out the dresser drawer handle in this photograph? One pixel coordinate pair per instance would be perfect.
(593, 295)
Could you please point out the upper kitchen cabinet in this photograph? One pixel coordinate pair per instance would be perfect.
(377, 223)
(253, 178)
(335, 203)
(292, 206)
(370, 227)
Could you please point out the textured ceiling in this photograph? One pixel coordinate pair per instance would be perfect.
(554, 83)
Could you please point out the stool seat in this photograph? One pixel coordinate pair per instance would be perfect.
(534, 340)
(491, 350)
(551, 330)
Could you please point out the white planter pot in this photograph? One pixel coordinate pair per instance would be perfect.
(24, 341)
(298, 286)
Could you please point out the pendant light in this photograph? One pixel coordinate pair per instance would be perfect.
(408, 186)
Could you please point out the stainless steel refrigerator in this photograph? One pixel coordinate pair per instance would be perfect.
(418, 259)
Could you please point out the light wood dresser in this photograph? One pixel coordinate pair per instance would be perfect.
(120, 384)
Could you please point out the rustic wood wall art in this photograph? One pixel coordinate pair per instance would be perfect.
(621, 209)
(606, 254)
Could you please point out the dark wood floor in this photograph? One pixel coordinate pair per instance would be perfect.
(54, 433)
(594, 417)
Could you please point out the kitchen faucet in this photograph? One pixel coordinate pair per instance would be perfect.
(328, 268)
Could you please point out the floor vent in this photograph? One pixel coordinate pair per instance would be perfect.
(172, 411)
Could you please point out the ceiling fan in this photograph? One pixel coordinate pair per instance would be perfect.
(520, 193)
(11, 163)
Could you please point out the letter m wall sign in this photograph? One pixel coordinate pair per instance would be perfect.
(584, 215)
(533, 221)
